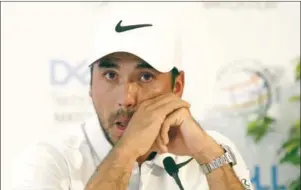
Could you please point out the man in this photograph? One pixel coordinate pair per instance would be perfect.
(141, 124)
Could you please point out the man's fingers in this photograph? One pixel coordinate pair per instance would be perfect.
(164, 131)
(161, 100)
(160, 145)
(170, 107)
(157, 100)
(155, 147)
(174, 119)
(164, 104)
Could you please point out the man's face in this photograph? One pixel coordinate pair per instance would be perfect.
(122, 81)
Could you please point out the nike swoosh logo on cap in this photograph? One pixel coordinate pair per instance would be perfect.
(120, 28)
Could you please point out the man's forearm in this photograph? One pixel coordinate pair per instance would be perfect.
(223, 178)
(114, 172)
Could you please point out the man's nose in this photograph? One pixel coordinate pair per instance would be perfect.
(127, 96)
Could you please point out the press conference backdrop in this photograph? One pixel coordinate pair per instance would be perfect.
(45, 79)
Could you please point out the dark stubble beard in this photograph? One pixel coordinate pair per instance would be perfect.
(111, 122)
(105, 132)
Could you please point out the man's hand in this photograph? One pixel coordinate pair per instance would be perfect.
(145, 125)
(180, 134)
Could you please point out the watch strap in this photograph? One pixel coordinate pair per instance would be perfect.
(225, 159)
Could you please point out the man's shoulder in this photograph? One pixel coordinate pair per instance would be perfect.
(70, 137)
(58, 145)
(53, 161)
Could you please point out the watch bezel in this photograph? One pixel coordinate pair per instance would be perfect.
(229, 154)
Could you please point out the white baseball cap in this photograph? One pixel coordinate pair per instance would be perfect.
(149, 32)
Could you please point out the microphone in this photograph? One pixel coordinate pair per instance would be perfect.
(172, 169)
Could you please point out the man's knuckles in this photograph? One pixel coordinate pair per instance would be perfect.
(156, 101)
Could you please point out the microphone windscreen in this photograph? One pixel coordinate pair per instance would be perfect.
(170, 166)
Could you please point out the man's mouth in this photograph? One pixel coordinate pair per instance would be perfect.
(122, 123)
(121, 120)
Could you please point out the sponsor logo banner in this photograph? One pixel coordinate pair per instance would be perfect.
(69, 91)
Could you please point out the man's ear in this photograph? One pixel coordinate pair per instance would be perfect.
(179, 84)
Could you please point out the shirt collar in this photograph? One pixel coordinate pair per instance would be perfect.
(96, 138)
(102, 147)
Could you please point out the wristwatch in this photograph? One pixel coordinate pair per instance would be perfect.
(227, 158)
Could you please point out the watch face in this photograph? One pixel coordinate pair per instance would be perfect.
(230, 155)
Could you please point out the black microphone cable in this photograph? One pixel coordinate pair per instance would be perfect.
(173, 169)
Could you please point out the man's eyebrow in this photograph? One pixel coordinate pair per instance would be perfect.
(111, 63)
(108, 63)
(145, 65)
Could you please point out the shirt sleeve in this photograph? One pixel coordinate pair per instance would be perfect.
(40, 167)
(241, 170)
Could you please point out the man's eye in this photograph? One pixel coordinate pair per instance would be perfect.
(146, 77)
(110, 75)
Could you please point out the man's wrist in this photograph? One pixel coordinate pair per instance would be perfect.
(209, 154)
(125, 153)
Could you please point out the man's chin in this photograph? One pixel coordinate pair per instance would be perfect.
(110, 139)
(114, 140)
